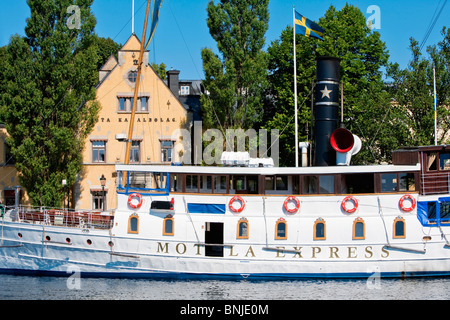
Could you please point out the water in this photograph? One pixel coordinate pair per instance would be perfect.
(46, 288)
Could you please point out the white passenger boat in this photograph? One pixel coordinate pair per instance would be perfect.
(329, 220)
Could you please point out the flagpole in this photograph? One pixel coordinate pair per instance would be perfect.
(132, 17)
(435, 106)
(295, 93)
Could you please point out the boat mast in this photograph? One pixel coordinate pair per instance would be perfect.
(136, 91)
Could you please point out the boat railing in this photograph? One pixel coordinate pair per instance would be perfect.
(435, 183)
(84, 219)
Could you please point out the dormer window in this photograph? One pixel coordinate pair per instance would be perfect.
(184, 90)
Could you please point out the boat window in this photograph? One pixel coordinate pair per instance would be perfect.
(399, 228)
(389, 182)
(192, 183)
(357, 183)
(407, 182)
(320, 230)
(206, 184)
(276, 183)
(242, 229)
(309, 184)
(140, 180)
(432, 161)
(282, 182)
(359, 229)
(176, 183)
(168, 226)
(133, 224)
(220, 184)
(281, 229)
(444, 209)
(240, 183)
(270, 185)
(326, 184)
(444, 160)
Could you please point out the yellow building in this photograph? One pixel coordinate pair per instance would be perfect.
(159, 114)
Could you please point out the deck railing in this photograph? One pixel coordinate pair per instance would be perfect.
(66, 218)
(435, 183)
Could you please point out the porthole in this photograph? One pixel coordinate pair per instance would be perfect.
(47, 238)
(68, 240)
(111, 244)
(19, 235)
(89, 241)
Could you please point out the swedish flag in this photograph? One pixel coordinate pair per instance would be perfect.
(306, 27)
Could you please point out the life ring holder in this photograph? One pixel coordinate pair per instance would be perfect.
(355, 204)
(130, 200)
(241, 208)
(410, 198)
(297, 204)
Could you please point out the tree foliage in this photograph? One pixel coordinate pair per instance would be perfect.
(412, 88)
(235, 80)
(366, 102)
(47, 97)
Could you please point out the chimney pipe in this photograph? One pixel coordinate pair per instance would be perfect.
(173, 82)
(326, 109)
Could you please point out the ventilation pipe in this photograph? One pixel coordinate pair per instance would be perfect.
(346, 145)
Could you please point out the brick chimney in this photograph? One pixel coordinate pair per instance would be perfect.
(173, 82)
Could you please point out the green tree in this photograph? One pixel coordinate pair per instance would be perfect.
(47, 99)
(160, 70)
(413, 89)
(362, 54)
(236, 79)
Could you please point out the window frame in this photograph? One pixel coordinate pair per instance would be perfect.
(277, 236)
(394, 231)
(97, 150)
(238, 231)
(166, 219)
(133, 216)
(320, 221)
(355, 222)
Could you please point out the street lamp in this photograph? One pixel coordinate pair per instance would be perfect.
(64, 183)
(103, 183)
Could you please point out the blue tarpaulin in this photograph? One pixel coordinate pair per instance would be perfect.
(206, 208)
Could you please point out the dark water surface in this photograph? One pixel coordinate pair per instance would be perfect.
(46, 288)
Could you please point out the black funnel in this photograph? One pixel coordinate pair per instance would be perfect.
(326, 108)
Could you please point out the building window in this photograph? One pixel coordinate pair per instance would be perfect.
(281, 229)
(359, 229)
(399, 228)
(98, 151)
(135, 154)
(242, 229)
(132, 76)
(126, 104)
(166, 150)
(97, 200)
(133, 224)
(185, 90)
(168, 226)
(320, 230)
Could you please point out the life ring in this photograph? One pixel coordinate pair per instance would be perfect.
(132, 203)
(410, 198)
(355, 204)
(241, 208)
(297, 204)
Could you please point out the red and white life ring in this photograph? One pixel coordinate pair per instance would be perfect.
(133, 203)
(411, 199)
(241, 208)
(355, 204)
(294, 209)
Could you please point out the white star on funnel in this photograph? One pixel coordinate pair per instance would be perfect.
(326, 93)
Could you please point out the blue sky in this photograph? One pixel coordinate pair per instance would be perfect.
(182, 31)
